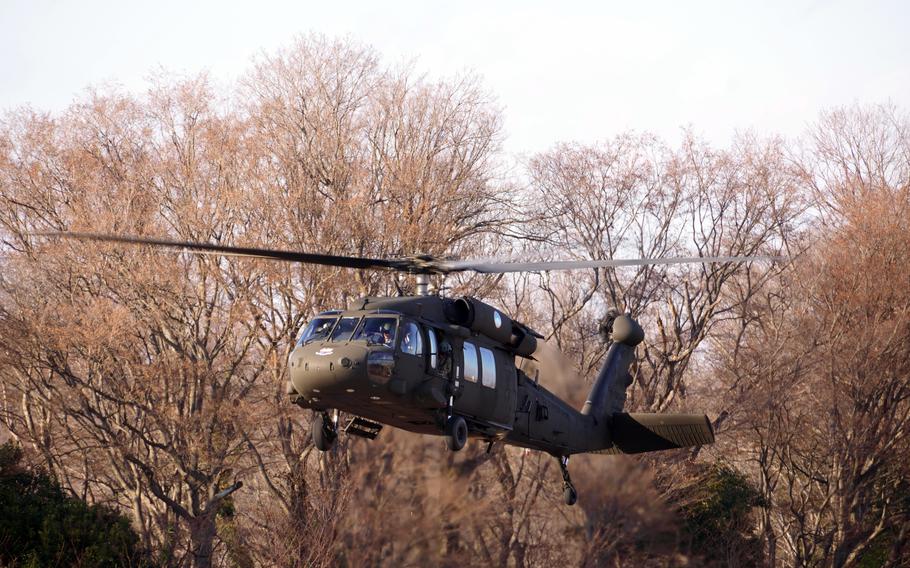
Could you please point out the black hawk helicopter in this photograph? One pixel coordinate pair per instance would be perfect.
(447, 366)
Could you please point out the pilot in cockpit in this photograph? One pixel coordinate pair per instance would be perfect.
(377, 331)
(386, 335)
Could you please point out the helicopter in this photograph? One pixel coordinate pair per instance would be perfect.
(454, 367)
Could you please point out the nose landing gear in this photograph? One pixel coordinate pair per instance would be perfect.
(325, 431)
(569, 494)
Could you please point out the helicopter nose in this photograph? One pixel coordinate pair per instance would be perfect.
(323, 371)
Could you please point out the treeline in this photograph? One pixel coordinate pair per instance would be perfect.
(154, 383)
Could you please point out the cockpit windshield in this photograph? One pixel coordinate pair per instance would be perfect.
(317, 330)
(378, 331)
(344, 329)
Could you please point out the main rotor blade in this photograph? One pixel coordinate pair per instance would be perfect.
(203, 248)
(499, 267)
(417, 264)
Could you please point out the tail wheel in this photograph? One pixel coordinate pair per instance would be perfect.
(456, 433)
(570, 496)
(324, 434)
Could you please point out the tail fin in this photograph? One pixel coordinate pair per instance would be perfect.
(609, 392)
(637, 433)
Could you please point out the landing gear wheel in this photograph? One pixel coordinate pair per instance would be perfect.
(324, 434)
(456, 433)
(569, 495)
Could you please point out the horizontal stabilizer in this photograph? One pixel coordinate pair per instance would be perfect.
(637, 433)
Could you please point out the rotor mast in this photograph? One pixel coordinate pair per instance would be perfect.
(422, 280)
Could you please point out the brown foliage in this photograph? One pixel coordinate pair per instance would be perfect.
(155, 382)
(818, 373)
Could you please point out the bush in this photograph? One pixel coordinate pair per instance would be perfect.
(40, 525)
(717, 518)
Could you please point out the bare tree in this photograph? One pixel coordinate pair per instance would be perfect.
(157, 382)
(817, 369)
(635, 198)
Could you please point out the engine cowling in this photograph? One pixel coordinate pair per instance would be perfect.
(487, 320)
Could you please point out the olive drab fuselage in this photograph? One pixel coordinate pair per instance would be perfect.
(409, 386)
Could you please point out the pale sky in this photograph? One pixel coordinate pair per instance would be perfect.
(561, 71)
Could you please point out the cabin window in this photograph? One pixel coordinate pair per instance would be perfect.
(377, 331)
(317, 330)
(345, 329)
(488, 367)
(434, 347)
(470, 362)
(411, 341)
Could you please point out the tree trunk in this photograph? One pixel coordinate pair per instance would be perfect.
(202, 537)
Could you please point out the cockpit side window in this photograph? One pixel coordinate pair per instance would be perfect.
(446, 356)
(317, 330)
(377, 331)
(411, 341)
(344, 329)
